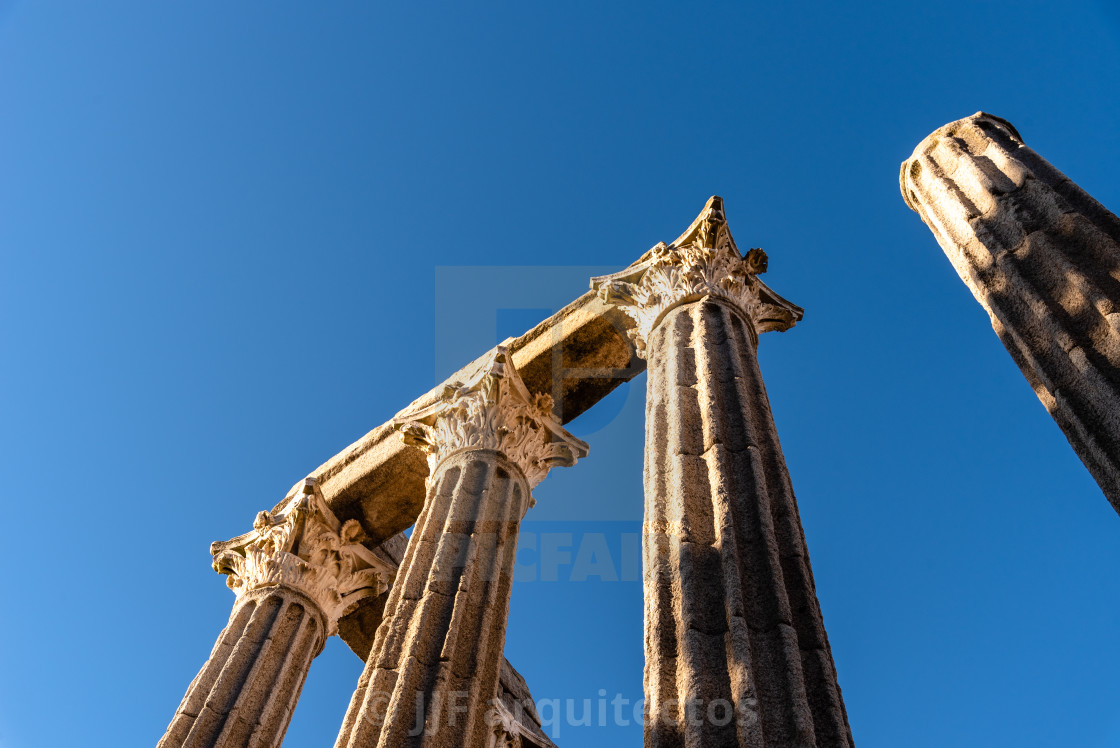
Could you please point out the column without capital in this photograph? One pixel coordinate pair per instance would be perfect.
(736, 651)
(1043, 259)
(436, 658)
(294, 575)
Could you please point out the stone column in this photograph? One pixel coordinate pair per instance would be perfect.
(294, 575)
(1043, 259)
(436, 658)
(736, 650)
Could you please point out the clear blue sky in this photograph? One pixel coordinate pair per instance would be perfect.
(230, 238)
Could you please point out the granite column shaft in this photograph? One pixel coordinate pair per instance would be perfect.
(731, 610)
(436, 659)
(432, 676)
(736, 650)
(295, 574)
(246, 692)
(1042, 258)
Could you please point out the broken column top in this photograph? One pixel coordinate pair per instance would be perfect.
(982, 121)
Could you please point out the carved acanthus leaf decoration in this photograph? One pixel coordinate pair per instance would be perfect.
(505, 732)
(493, 410)
(303, 545)
(703, 261)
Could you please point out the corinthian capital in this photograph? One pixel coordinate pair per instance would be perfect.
(505, 731)
(703, 261)
(493, 410)
(301, 544)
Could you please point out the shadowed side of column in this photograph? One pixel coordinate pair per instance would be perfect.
(294, 574)
(435, 661)
(432, 675)
(1043, 259)
(246, 692)
(732, 615)
(736, 651)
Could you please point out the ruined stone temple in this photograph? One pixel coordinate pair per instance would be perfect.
(736, 650)
(1043, 259)
(735, 644)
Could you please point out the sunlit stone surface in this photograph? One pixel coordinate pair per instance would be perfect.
(433, 672)
(736, 651)
(1043, 259)
(735, 643)
(295, 573)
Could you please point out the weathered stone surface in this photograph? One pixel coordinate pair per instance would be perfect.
(294, 575)
(521, 719)
(246, 692)
(304, 546)
(358, 627)
(432, 677)
(736, 652)
(515, 722)
(578, 355)
(1043, 259)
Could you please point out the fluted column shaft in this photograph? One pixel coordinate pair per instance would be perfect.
(432, 674)
(246, 692)
(731, 610)
(295, 574)
(435, 661)
(736, 651)
(1043, 259)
